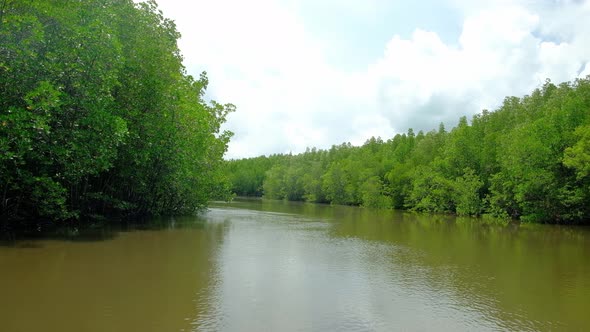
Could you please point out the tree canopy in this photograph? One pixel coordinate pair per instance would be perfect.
(526, 160)
(98, 116)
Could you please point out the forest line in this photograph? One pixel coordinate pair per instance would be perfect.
(527, 160)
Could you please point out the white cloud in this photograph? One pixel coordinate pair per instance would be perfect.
(423, 81)
(262, 57)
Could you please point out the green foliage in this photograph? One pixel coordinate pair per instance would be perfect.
(98, 116)
(274, 186)
(467, 197)
(526, 160)
(337, 186)
(246, 175)
(373, 194)
(431, 192)
(577, 156)
(312, 183)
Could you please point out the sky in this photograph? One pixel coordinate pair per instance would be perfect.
(314, 73)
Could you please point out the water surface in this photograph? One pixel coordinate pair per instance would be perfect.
(277, 266)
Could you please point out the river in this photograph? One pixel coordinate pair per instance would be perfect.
(254, 265)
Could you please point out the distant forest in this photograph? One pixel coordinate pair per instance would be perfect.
(98, 117)
(527, 160)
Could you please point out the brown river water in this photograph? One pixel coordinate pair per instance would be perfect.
(256, 265)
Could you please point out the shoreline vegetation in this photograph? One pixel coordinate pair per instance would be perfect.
(529, 160)
(99, 119)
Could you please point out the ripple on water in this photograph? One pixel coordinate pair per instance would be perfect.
(283, 271)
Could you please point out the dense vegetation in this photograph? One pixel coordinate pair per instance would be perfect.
(98, 116)
(529, 160)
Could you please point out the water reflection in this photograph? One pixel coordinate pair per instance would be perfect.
(140, 280)
(341, 268)
(277, 266)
